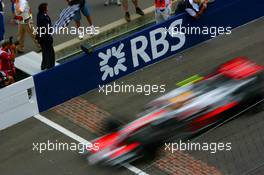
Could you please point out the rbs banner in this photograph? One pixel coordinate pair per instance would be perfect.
(141, 50)
(153, 44)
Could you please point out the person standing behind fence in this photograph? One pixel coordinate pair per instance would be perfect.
(2, 23)
(77, 18)
(25, 24)
(13, 9)
(194, 8)
(125, 7)
(7, 66)
(9, 47)
(162, 10)
(45, 40)
(1, 6)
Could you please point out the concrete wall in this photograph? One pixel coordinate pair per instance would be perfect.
(17, 103)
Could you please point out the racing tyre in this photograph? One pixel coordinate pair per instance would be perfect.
(111, 125)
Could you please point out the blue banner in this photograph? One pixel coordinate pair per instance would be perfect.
(153, 44)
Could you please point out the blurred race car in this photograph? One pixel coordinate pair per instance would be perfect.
(199, 103)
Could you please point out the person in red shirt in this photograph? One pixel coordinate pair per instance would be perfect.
(7, 68)
(7, 65)
(10, 48)
(162, 10)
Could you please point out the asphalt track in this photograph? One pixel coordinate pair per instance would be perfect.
(245, 133)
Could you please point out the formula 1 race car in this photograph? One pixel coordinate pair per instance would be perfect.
(198, 103)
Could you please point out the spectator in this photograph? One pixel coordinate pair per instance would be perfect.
(194, 8)
(46, 40)
(7, 67)
(10, 48)
(162, 10)
(118, 2)
(13, 11)
(2, 6)
(77, 18)
(25, 24)
(2, 23)
(5, 80)
(13, 6)
(125, 7)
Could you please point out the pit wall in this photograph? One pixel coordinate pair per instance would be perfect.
(17, 103)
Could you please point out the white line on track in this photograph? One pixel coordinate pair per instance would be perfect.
(81, 140)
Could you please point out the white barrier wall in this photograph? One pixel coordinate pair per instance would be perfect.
(17, 103)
